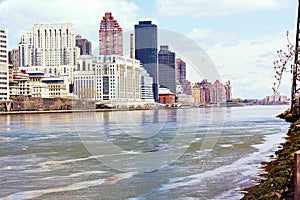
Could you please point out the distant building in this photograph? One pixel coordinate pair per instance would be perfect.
(146, 51)
(4, 70)
(187, 89)
(275, 99)
(13, 57)
(196, 94)
(180, 71)
(228, 90)
(166, 68)
(110, 36)
(84, 45)
(217, 93)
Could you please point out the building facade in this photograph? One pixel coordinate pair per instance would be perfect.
(146, 51)
(4, 70)
(166, 68)
(84, 45)
(110, 36)
(84, 79)
(110, 78)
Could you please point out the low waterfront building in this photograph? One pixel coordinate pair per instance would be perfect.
(166, 96)
(57, 87)
(40, 89)
(64, 72)
(21, 85)
(185, 99)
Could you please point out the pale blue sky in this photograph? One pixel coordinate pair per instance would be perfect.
(240, 37)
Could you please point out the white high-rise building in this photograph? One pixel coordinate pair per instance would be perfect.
(4, 71)
(26, 50)
(50, 48)
(49, 45)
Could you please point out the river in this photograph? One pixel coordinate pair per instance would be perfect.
(197, 153)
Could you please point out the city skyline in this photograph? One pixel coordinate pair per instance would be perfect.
(241, 38)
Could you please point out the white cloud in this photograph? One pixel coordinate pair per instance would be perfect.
(216, 7)
(19, 15)
(208, 37)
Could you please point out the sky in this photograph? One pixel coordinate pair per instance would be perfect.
(241, 38)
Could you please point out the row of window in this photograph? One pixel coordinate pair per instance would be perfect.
(3, 46)
(3, 41)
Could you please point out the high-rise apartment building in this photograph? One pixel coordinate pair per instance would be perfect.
(84, 45)
(110, 36)
(166, 68)
(146, 51)
(48, 45)
(4, 71)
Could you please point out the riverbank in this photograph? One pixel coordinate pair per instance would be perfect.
(277, 180)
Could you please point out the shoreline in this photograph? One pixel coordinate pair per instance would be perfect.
(277, 178)
(110, 110)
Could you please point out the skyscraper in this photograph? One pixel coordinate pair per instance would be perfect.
(84, 45)
(166, 68)
(110, 36)
(146, 51)
(4, 76)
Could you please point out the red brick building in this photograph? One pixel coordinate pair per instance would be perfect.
(110, 36)
(166, 96)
